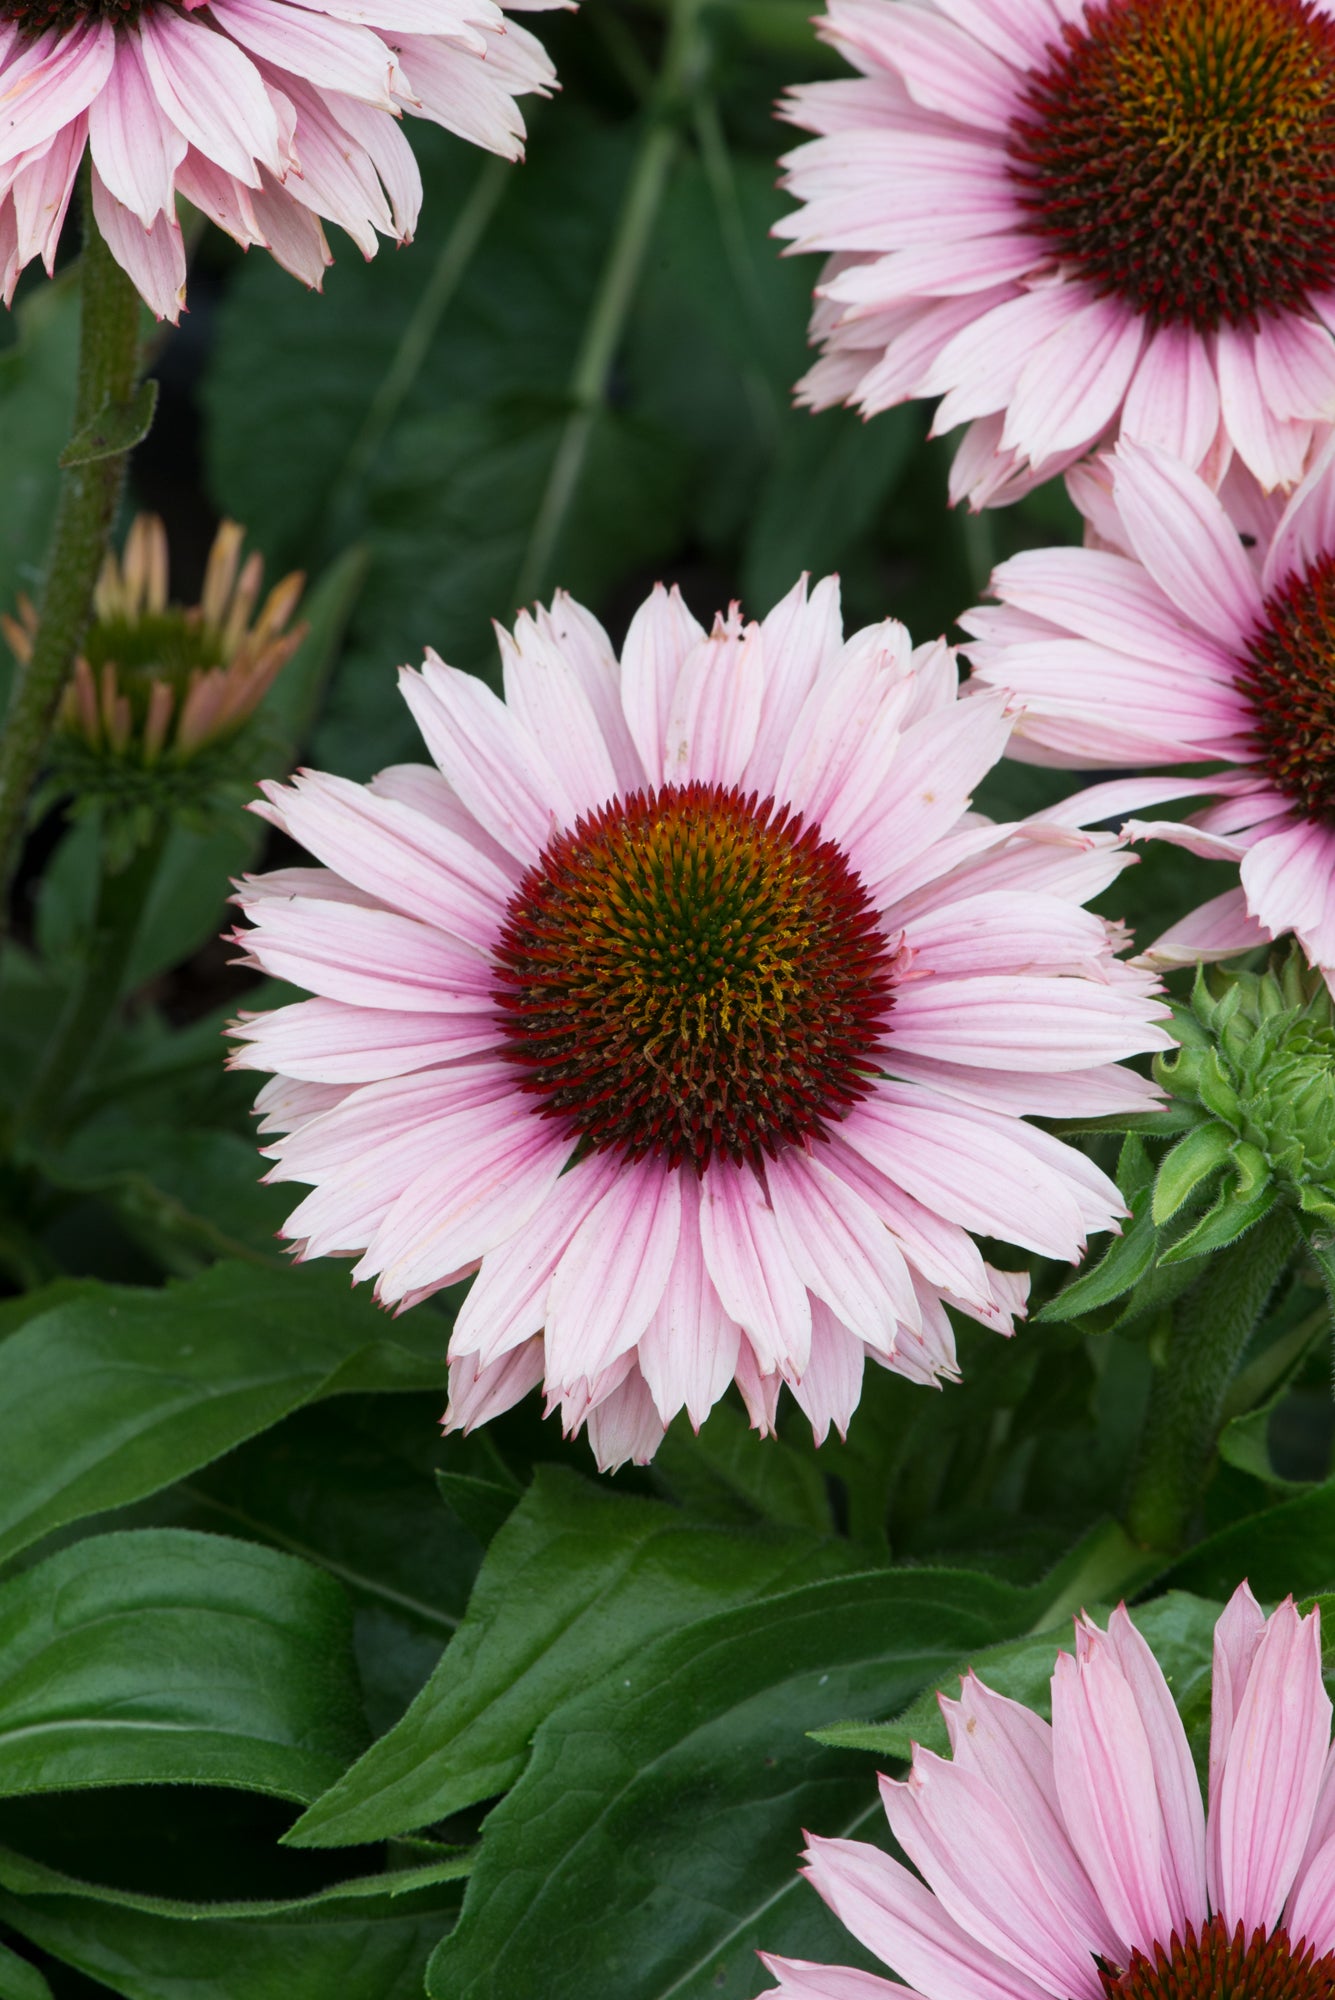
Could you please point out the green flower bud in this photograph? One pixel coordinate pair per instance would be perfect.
(1257, 1061)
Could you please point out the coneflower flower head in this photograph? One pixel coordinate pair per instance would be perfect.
(1074, 220)
(160, 691)
(269, 117)
(686, 1003)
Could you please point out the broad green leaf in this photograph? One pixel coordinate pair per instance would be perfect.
(1289, 1547)
(651, 1845)
(366, 1939)
(577, 1578)
(162, 1657)
(114, 1394)
(195, 1187)
(349, 1485)
(19, 1980)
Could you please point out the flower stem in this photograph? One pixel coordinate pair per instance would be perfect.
(89, 496)
(1110, 1564)
(1211, 1326)
(99, 986)
(677, 81)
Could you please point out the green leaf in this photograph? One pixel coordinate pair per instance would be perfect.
(161, 1657)
(1232, 1215)
(483, 1505)
(1124, 1264)
(1289, 1547)
(116, 1393)
(577, 1579)
(650, 1846)
(718, 1472)
(117, 428)
(1187, 1166)
(349, 1484)
(198, 1188)
(365, 1939)
(19, 1980)
(1179, 1628)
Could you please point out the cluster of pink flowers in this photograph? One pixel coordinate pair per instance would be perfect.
(684, 1002)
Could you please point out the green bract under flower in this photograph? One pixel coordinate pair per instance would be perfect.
(1257, 1063)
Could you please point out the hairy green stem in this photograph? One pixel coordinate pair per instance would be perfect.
(99, 987)
(89, 496)
(1211, 1326)
(1111, 1565)
(678, 79)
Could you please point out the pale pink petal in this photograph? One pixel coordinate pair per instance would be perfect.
(714, 713)
(1306, 530)
(625, 1425)
(381, 846)
(801, 639)
(1181, 534)
(1289, 881)
(1221, 928)
(507, 1302)
(153, 258)
(1272, 446)
(661, 634)
(1237, 1636)
(1271, 1773)
(50, 82)
(613, 1272)
(748, 1261)
(1310, 1916)
(547, 693)
(968, 1844)
(328, 1041)
(1173, 400)
(688, 1352)
(371, 958)
(469, 1200)
(830, 1385)
(493, 762)
(1105, 1781)
(802, 1979)
(136, 148)
(1010, 1748)
(1070, 389)
(477, 1394)
(989, 1173)
(211, 92)
(841, 1249)
(891, 1912)
(1174, 1772)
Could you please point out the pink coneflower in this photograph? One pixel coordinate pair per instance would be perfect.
(1174, 641)
(1076, 1861)
(688, 1005)
(1074, 218)
(266, 114)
